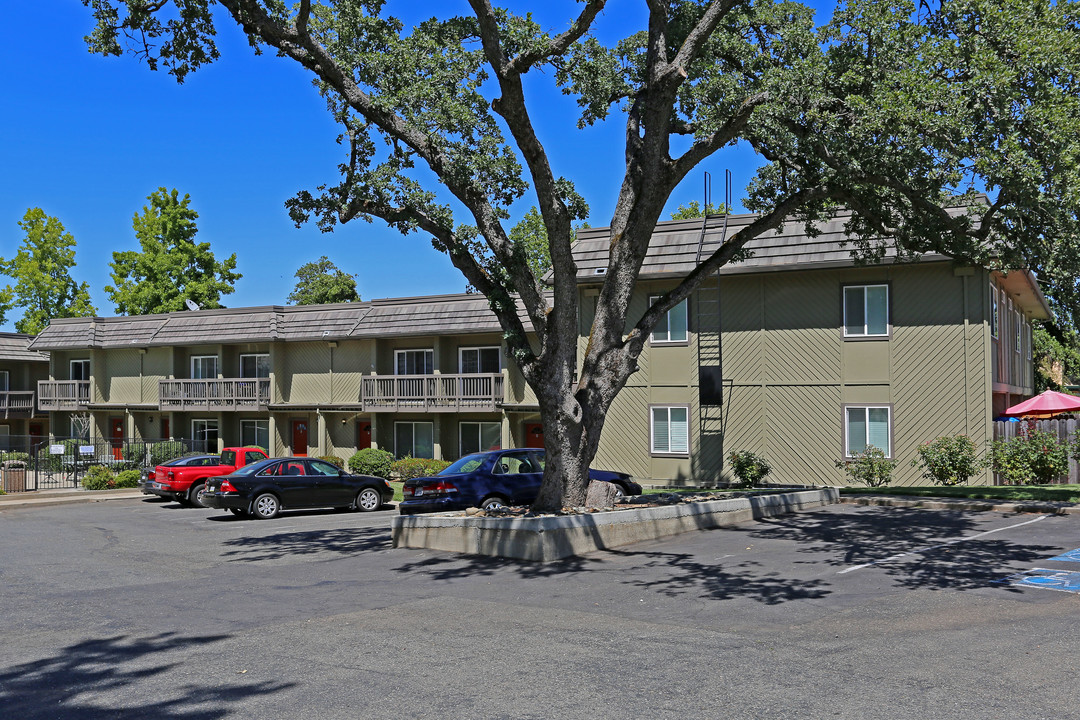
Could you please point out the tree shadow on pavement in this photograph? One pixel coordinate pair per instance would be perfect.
(891, 538)
(340, 541)
(84, 680)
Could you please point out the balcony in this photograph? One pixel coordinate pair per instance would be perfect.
(218, 394)
(432, 393)
(17, 403)
(63, 395)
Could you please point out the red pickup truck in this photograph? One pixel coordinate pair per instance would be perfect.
(186, 483)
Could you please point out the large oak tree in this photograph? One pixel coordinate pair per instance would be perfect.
(894, 110)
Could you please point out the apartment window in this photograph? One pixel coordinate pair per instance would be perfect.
(255, 366)
(414, 362)
(204, 435)
(994, 317)
(670, 430)
(866, 310)
(80, 369)
(1016, 333)
(5, 381)
(255, 432)
(414, 439)
(204, 367)
(672, 326)
(480, 360)
(866, 425)
(480, 436)
(1027, 339)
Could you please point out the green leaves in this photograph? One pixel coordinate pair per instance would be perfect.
(321, 282)
(41, 269)
(170, 267)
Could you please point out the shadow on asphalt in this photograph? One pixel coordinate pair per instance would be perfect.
(342, 541)
(79, 682)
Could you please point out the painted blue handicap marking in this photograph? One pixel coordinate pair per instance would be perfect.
(1071, 556)
(1062, 580)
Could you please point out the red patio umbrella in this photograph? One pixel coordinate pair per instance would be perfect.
(1044, 405)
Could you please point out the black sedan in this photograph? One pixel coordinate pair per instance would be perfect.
(264, 489)
(491, 480)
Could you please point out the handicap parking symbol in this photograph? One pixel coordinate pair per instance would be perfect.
(1060, 580)
(1071, 556)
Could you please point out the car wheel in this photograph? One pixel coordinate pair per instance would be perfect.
(620, 491)
(238, 512)
(195, 495)
(266, 506)
(368, 500)
(493, 503)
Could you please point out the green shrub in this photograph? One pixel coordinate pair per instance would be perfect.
(55, 463)
(749, 467)
(949, 460)
(128, 479)
(16, 456)
(1032, 457)
(333, 460)
(154, 453)
(869, 467)
(98, 477)
(409, 468)
(372, 461)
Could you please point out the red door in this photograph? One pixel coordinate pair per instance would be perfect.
(36, 432)
(534, 435)
(165, 434)
(363, 434)
(299, 438)
(116, 433)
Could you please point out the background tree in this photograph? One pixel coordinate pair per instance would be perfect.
(693, 210)
(321, 282)
(41, 269)
(897, 112)
(529, 236)
(170, 267)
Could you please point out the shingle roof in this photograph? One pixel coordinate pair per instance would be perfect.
(14, 346)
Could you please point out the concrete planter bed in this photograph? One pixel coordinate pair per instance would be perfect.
(553, 537)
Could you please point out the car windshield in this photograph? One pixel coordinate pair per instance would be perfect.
(465, 464)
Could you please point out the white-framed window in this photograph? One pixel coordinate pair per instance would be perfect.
(480, 436)
(1017, 333)
(79, 369)
(414, 439)
(1027, 339)
(204, 367)
(5, 381)
(480, 360)
(204, 435)
(255, 365)
(995, 318)
(866, 425)
(414, 362)
(255, 432)
(669, 430)
(672, 327)
(866, 310)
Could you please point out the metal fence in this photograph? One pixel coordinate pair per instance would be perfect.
(1064, 429)
(52, 463)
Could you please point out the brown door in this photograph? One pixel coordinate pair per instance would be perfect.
(165, 434)
(363, 434)
(36, 432)
(299, 438)
(116, 433)
(534, 435)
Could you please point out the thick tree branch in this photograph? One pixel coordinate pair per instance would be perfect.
(558, 44)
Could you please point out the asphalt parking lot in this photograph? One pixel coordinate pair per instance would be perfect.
(134, 609)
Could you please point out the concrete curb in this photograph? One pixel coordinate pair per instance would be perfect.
(546, 539)
(66, 497)
(964, 505)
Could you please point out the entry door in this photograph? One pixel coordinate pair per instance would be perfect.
(165, 434)
(299, 438)
(363, 434)
(534, 435)
(116, 433)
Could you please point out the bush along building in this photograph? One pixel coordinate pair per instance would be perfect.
(797, 354)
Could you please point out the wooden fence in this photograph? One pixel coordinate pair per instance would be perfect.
(1065, 429)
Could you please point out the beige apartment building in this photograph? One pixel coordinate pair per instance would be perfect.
(20, 371)
(802, 356)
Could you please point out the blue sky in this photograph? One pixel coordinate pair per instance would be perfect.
(87, 138)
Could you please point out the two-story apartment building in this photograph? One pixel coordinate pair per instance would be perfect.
(797, 353)
(424, 377)
(805, 356)
(20, 371)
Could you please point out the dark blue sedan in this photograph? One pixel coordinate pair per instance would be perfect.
(491, 480)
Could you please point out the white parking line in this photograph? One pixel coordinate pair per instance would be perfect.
(939, 545)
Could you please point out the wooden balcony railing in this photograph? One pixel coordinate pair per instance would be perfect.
(63, 394)
(219, 394)
(431, 393)
(17, 403)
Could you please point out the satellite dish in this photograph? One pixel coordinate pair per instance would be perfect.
(191, 304)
